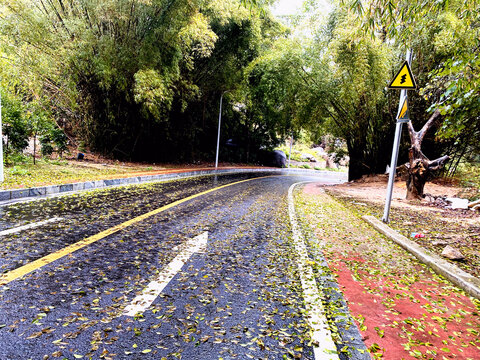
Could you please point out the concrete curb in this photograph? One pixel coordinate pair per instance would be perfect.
(43, 191)
(467, 282)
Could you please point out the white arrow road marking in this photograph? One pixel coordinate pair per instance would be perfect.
(151, 292)
(29, 226)
(325, 348)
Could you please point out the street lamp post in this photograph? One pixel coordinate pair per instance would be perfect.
(219, 124)
(1, 142)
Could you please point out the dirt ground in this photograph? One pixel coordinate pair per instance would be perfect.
(441, 226)
(374, 189)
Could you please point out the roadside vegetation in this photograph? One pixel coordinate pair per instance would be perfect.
(469, 178)
(309, 152)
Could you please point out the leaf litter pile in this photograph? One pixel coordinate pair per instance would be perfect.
(240, 300)
(403, 309)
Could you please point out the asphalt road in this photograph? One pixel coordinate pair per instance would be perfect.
(236, 297)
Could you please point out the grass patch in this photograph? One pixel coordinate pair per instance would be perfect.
(49, 172)
(440, 227)
(297, 151)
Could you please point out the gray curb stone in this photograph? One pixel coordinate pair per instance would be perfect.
(5, 195)
(19, 194)
(470, 284)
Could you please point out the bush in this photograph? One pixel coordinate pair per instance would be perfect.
(14, 126)
(55, 162)
(19, 171)
(81, 146)
(15, 158)
(53, 139)
(47, 147)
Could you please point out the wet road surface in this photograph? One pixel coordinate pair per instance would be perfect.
(237, 298)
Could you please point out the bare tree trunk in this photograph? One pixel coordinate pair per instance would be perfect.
(357, 167)
(419, 167)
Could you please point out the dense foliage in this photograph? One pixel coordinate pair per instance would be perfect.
(136, 79)
(349, 94)
(444, 36)
(335, 80)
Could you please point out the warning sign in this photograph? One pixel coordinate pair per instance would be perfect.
(403, 113)
(404, 79)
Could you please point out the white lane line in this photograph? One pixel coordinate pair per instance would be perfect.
(324, 348)
(29, 226)
(151, 292)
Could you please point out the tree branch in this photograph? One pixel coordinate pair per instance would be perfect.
(438, 163)
(428, 125)
(411, 132)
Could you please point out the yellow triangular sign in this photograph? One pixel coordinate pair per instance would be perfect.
(404, 79)
(403, 113)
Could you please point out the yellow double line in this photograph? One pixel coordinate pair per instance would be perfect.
(35, 265)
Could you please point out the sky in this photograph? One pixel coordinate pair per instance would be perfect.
(290, 7)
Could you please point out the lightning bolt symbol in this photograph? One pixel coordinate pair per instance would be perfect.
(403, 80)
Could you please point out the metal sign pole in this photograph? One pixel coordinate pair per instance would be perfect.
(396, 148)
(2, 178)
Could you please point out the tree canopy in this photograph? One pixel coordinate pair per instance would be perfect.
(135, 78)
(343, 70)
(444, 36)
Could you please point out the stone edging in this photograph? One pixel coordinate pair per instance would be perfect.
(465, 281)
(18, 194)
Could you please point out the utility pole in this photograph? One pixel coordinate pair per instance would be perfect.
(396, 146)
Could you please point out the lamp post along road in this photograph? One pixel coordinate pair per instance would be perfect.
(1, 142)
(219, 125)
